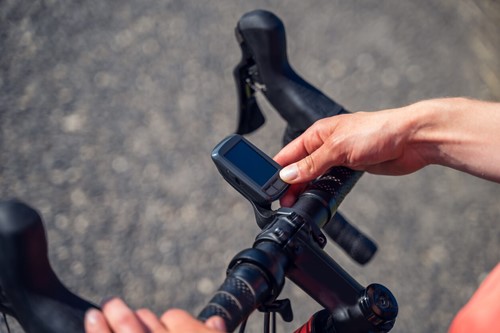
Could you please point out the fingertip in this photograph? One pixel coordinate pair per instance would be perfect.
(93, 316)
(109, 299)
(216, 323)
(287, 201)
(290, 173)
(174, 314)
(146, 315)
(112, 302)
(278, 159)
(94, 321)
(291, 196)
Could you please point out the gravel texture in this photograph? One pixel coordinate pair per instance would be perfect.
(109, 111)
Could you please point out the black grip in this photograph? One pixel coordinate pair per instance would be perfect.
(356, 244)
(243, 290)
(335, 184)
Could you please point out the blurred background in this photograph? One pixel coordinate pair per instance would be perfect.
(109, 111)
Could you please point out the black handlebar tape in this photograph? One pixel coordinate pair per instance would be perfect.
(39, 301)
(332, 188)
(244, 289)
(337, 183)
(356, 244)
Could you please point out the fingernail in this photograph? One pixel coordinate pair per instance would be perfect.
(289, 173)
(217, 323)
(92, 316)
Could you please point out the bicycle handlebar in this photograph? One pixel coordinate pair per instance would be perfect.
(38, 299)
(255, 276)
(293, 239)
(264, 65)
(290, 245)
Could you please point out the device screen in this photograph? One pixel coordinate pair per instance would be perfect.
(250, 163)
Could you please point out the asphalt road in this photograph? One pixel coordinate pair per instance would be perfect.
(109, 111)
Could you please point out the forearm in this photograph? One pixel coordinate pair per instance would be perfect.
(459, 133)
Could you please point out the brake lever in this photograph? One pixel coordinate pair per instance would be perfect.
(246, 77)
(264, 67)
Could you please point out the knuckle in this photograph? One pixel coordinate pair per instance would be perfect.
(339, 148)
(309, 165)
(320, 123)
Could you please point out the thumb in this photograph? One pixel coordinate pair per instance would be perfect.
(307, 169)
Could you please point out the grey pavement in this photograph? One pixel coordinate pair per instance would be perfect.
(109, 111)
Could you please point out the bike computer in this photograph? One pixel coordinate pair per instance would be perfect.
(250, 171)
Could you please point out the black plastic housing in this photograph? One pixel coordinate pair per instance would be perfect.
(249, 170)
(38, 299)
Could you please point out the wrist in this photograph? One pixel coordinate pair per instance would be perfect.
(435, 128)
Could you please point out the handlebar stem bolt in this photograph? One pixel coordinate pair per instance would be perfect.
(281, 234)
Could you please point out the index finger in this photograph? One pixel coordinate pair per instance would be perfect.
(292, 152)
(304, 145)
(121, 318)
(95, 322)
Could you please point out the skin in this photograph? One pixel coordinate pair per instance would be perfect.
(116, 316)
(459, 133)
(455, 132)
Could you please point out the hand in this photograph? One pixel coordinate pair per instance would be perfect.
(377, 142)
(460, 133)
(117, 317)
